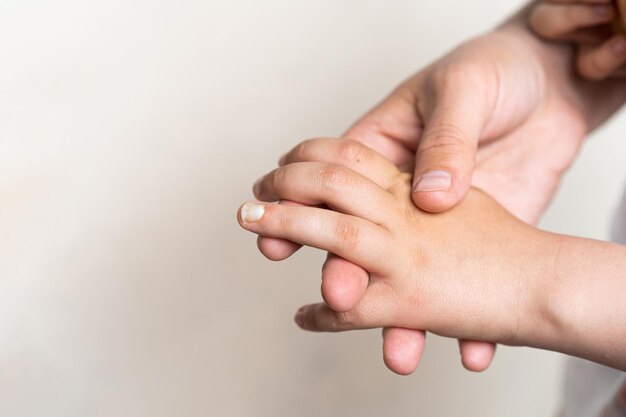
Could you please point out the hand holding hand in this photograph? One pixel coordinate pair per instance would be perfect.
(501, 112)
(472, 272)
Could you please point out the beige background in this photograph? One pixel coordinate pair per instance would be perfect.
(131, 130)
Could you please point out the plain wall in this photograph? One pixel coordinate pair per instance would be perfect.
(130, 131)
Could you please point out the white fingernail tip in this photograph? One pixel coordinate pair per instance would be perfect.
(251, 212)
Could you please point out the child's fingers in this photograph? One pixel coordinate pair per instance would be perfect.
(345, 152)
(343, 283)
(314, 183)
(402, 349)
(349, 153)
(276, 249)
(476, 356)
(376, 309)
(558, 20)
(600, 62)
(352, 238)
(343, 286)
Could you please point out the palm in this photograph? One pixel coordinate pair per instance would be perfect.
(529, 139)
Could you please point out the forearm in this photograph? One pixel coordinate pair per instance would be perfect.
(583, 302)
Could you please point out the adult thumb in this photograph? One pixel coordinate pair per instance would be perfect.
(446, 151)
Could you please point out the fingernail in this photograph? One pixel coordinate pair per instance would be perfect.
(252, 212)
(256, 188)
(299, 319)
(619, 46)
(603, 10)
(434, 181)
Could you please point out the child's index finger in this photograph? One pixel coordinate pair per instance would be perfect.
(335, 186)
(355, 239)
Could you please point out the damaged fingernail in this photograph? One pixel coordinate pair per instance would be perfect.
(252, 212)
(434, 181)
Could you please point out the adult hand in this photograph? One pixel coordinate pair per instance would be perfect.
(593, 25)
(503, 113)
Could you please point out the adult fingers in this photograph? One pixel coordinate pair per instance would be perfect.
(314, 183)
(352, 238)
(476, 356)
(344, 152)
(454, 121)
(601, 62)
(558, 20)
(402, 349)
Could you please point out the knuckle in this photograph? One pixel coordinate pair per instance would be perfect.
(350, 151)
(345, 319)
(278, 179)
(347, 234)
(445, 136)
(282, 220)
(333, 177)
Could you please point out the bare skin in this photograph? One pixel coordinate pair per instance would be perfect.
(474, 272)
(593, 25)
(503, 112)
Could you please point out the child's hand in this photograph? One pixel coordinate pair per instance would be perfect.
(469, 273)
(590, 24)
(535, 117)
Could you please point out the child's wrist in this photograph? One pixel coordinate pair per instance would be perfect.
(541, 294)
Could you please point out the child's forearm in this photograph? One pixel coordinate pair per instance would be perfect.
(582, 306)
